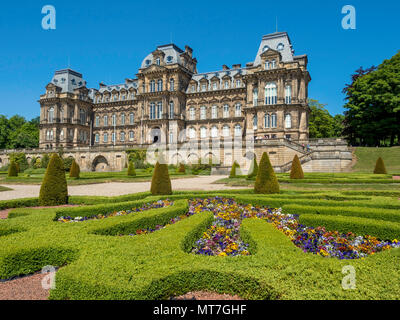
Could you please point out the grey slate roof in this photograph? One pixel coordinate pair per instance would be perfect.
(272, 41)
(172, 55)
(68, 80)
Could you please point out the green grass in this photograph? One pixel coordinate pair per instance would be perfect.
(97, 264)
(366, 159)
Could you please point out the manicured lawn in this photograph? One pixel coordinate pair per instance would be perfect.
(366, 159)
(116, 258)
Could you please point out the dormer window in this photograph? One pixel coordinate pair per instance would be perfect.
(193, 88)
(226, 84)
(62, 80)
(238, 83)
(148, 62)
(214, 86)
(169, 59)
(267, 65)
(158, 62)
(203, 87)
(280, 47)
(265, 48)
(273, 64)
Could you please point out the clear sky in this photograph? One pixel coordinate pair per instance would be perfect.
(107, 40)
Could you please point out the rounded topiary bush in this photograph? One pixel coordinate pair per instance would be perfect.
(131, 169)
(297, 171)
(266, 181)
(54, 190)
(380, 167)
(181, 168)
(161, 183)
(253, 169)
(13, 169)
(75, 170)
(235, 170)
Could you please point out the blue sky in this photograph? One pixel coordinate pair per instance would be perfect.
(107, 40)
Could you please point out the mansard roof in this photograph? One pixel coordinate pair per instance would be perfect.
(68, 80)
(171, 52)
(278, 41)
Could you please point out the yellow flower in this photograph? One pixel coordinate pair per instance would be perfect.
(222, 254)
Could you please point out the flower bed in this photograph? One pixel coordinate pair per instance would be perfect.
(223, 239)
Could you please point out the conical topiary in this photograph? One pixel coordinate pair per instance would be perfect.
(380, 167)
(54, 190)
(297, 171)
(182, 168)
(13, 170)
(266, 181)
(161, 183)
(253, 169)
(131, 169)
(17, 167)
(75, 170)
(235, 170)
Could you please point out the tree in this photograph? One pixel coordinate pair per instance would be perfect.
(266, 181)
(17, 133)
(373, 105)
(131, 169)
(253, 169)
(161, 183)
(380, 167)
(13, 170)
(75, 170)
(20, 159)
(297, 171)
(54, 190)
(235, 170)
(321, 123)
(45, 161)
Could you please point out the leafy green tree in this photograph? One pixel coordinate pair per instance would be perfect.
(20, 159)
(321, 123)
(16, 133)
(45, 161)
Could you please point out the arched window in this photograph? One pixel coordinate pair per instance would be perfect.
(51, 115)
(192, 113)
(171, 84)
(273, 121)
(255, 97)
(238, 130)
(192, 133)
(226, 131)
(152, 86)
(97, 123)
(267, 65)
(123, 119)
(288, 121)
(62, 134)
(214, 112)
(203, 113)
(270, 93)
(238, 110)
(122, 136)
(171, 110)
(131, 119)
(273, 64)
(288, 94)
(203, 132)
(226, 111)
(226, 84)
(267, 121)
(214, 132)
(255, 122)
(159, 85)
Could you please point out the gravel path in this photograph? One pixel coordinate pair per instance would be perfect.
(25, 288)
(118, 188)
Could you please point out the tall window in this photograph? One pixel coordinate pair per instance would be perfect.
(203, 87)
(152, 86)
(114, 120)
(203, 113)
(123, 119)
(113, 137)
(238, 110)
(273, 121)
(255, 122)
(49, 135)
(171, 110)
(192, 133)
(192, 113)
(82, 116)
(267, 65)
(122, 136)
(105, 120)
(267, 121)
(288, 94)
(214, 112)
(97, 138)
(105, 137)
(51, 115)
(158, 61)
(159, 110)
(171, 84)
(273, 64)
(270, 93)
(152, 111)
(226, 84)
(238, 83)
(225, 131)
(193, 88)
(203, 132)
(255, 97)
(62, 134)
(131, 135)
(97, 123)
(171, 137)
(214, 132)
(214, 86)
(226, 111)
(288, 121)
(131, 119)
(159, 85)
(238, 130)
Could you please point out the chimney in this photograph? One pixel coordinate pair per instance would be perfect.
(236, 66)
(225, 67)
(189, 50)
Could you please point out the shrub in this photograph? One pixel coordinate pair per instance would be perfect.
(131, 169)
(45, 161)
(182, 168)
(380, 167)
(266, 181)
(68, 163)
(75, 170)
(13, 169)
(253, 169)
(235, 171)
(297, 171)
(161, 183)
(54, 189)
(20, 159)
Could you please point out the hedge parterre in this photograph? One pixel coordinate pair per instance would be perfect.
(223, 238)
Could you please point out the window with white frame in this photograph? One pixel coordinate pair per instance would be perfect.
(192, 113)
(203, 132)
(62, 134)
(226, 111)
(255, 97)
(171, 110)
(238, 83)
(122, 136)
(158, 61)
(271, 93)
(171, 137)
(203, 87)
(288, 121)
(51, 115)
(113, 137)
(152, 111)
(214, 86)
(238, 110)
(214, 132)
(273, 121)
(97, 138)
(105, 137)
(193, 88)
(267, 121)
(159, 110)
(226, 84)
(152, 86)
(123, 119)
(131, 119)
(288, 94)
(214, 112)
(131, 135)
(159, 85)
(226, 131)
(273, 64)
(171, 84)
(97, 121)
(238, 130)
(203, 113)
(267, 65)
(255, 122)
(105, 120)
(114, 120)
(192, 133)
